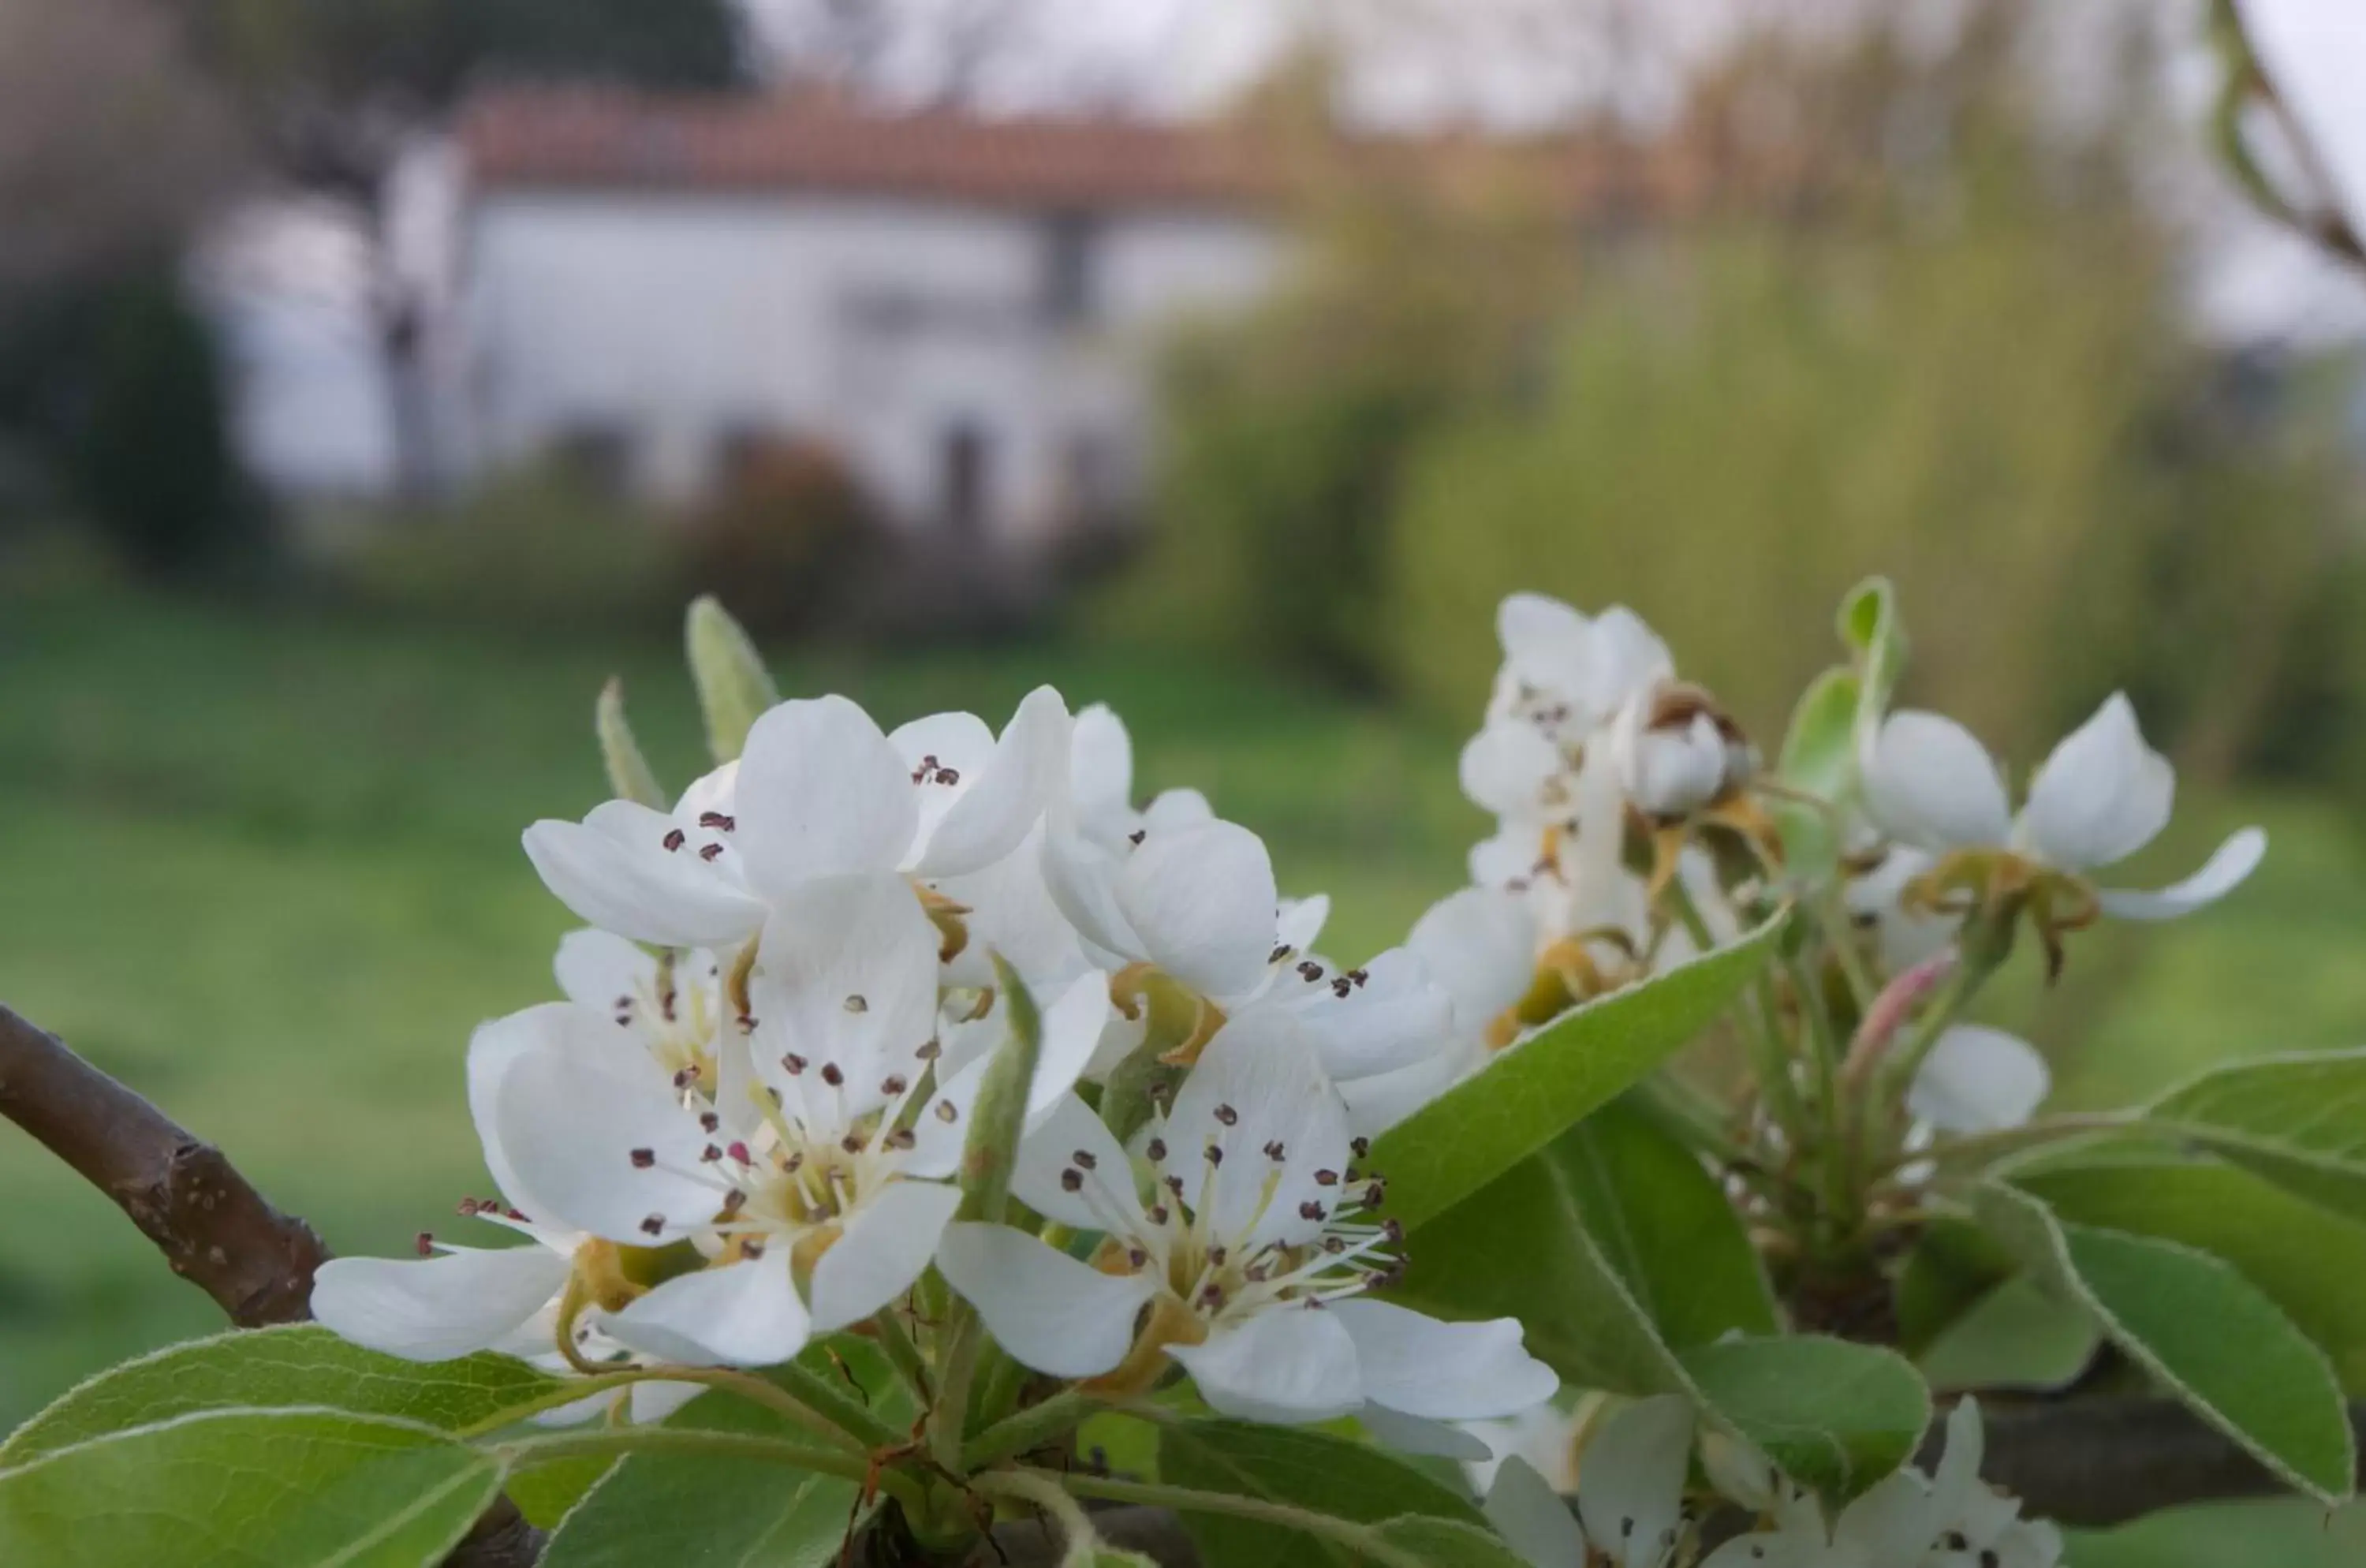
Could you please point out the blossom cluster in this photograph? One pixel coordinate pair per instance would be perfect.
(744, 1125)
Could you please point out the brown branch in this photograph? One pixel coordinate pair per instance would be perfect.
(2105, 1460)
(215, 1230)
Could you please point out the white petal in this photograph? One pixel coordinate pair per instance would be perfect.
(1891, 1523)
(743, 1315)
(1301, 921)
(650, 1403)
(1929, 784)
(1958, 1477)
(1257, 1086)
(614, 870)
(1287, 1364)
(2235, 860)
(597, 969)
(432, 1309)
(1107, 1203)
(821, 792)
(1505, 767)
(1977, 1079)
(1173, 808)
(961, 741)
(1766, 1550)
(1544, 640)
(1630, 1479)
(1081, 876)
(2101, 796)
(1447, 1371)
(711, 791)
(1394, 1018)
(492, 1050)
(988, 818)
(1011, 913)
(886, 1247)
(1100, 768)
(1201, 901)
(1048, 1310)
(1072, 1031)
(1480, 945)
(849, 976)
(1625, 657)
(1377, 1104)
(1531, 1515)
(569, 1127)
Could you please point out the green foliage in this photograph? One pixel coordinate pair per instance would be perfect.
(2018, 1336)
(2206, 1333)
(232, 1488)
(2298, 1121)
(1529, 1095)
(1446, 1543)
(150, 456)
(538, 547)
(734, 687)
(301, 1365)
(1834, 1415)
(620, 752)
(702, 1507)
(2309, 1261)
(1304, 1469)
(999, 1119)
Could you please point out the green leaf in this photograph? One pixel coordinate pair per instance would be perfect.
(1663, 1223)
(1447, 1543)
(734, 689)
(2309, 1261)
(1838, 1417)
(297, 1365)
(1868, 624)
(1954, 1265)
(545, 1493)
(2299, 1120)
(1835, 1416)
(238, 1488)
(1533, 1092)
(2206, 1333)
(2018, 1336)
(699, 1508)
(1305, 1469)
(998, 1117)
(628, 771)
(1819, 757)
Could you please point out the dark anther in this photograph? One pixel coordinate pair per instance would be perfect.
(644, 1159)
(675, 839)
(1072, 1180)
(1084, 1160)
(717, 820)
(1310, 1210)
(653, 1226)
(1156, 1151)
(832, 1075)
(710, 852)
(1310, 971)
(425, 1243)
(1226, 1115)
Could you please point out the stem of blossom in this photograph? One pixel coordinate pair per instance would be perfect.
(911, 1368)
(1030, 1428)
(824, 1401)
(1362, 1540)
(1771, 1061)
(526, 1453)
(1824, 1057)
(1684, 1111)
(1981, 1146)
(1076, 1532)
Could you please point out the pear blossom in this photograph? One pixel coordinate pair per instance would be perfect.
(1246, 1262)
(673, 1005)
(815, 1196)
(2100, 797)
(818, 791)
(1630, 1485)
(454, 1301)
(1676, 753)
(1977, 1079)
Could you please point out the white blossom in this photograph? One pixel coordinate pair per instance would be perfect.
(1246, 1261)
(1630, 1484)
(2101, 796)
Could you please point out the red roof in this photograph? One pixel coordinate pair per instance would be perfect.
(580, 138)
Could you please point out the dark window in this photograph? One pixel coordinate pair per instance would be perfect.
(966, 460)
(1068, 267)
(599, 454)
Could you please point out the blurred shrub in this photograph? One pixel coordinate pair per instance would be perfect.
(781, 540)
(1911, 328)
(539, 546)
(149, 457)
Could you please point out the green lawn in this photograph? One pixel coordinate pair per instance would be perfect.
(264, 867)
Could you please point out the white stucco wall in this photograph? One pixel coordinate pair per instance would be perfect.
(876, 325)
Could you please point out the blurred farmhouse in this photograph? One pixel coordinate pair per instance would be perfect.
(658, 289)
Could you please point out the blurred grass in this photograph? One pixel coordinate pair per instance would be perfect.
(264, 867)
